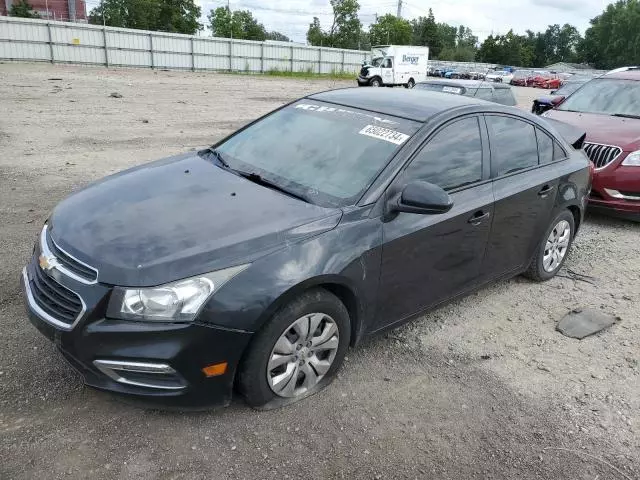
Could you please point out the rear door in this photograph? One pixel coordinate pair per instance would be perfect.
(524, 189)
(429, 258)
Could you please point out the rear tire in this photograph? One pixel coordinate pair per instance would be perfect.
(289, 359)
(553, 248)
(411, 83)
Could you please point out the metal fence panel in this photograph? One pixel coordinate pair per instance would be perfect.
(24, 32)
(129, 58)
(76, 36)
(25, 51)
(127, 40)
(75, 54)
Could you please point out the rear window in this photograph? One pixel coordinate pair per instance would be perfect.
(504, 96)
(438, 87)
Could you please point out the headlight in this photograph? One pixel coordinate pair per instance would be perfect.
(174, 302)
(632, 160)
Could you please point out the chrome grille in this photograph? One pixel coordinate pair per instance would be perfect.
(601, 155)
(61, 306)
(66, 263)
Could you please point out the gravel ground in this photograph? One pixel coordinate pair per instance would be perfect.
(484, 388)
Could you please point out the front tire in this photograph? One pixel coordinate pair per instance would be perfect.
(297, 353)
(553, 249)
(375, 82)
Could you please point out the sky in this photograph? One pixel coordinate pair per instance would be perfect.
(292, 17)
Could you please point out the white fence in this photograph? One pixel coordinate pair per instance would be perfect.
(24, 39)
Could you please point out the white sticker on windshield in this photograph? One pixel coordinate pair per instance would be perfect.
(452, 90)
(385, 134)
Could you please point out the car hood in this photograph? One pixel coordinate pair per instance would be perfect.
(176, 218)
(605, 129)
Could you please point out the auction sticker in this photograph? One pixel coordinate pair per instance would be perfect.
(385, 134)
(452, 90)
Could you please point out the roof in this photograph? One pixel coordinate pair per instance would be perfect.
(467, 83)
(418, 105)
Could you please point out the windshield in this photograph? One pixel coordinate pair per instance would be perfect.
(326, 153)
(606, 96)
(377, 61)
(568, 88)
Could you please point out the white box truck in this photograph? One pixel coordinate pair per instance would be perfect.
(395, 65)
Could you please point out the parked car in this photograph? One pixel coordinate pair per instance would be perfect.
(493, 92)
(257, 262)
(608, 109)
(521, 78)
(542, 104)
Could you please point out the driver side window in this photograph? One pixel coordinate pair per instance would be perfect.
(387, 63)
(452, 158)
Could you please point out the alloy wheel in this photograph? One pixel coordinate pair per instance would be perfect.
(303, 355)
(557, 245)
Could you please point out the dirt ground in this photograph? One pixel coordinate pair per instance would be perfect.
(484, 388)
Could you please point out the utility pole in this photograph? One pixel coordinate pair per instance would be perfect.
(399, 15)
(230, 19)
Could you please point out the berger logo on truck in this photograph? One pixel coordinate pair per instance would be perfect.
(413, 60)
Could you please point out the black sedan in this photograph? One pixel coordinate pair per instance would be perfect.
(256, 263)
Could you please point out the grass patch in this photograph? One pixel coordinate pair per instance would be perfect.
(310, 73)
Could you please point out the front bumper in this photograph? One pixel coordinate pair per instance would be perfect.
(140, 351)
(610, 183)
(363, 82)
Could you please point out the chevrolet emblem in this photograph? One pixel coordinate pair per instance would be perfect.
(47, 262)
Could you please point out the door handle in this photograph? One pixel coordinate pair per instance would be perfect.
(478, 217)
(546, 190)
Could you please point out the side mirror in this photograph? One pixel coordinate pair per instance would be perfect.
(552, 92)
(422, 197)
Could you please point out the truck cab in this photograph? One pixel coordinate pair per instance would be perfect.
(395, 65)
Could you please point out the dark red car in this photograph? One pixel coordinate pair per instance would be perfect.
(608, 109)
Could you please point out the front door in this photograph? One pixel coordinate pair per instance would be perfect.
(387, 71)
(525, 190)
(429, 258)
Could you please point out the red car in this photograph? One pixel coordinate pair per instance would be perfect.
(552, 84)
(608, 109)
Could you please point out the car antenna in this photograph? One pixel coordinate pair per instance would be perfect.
(480, 84)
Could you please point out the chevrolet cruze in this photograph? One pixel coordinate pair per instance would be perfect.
(253, 265)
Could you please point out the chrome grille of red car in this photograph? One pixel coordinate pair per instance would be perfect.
(601, 155)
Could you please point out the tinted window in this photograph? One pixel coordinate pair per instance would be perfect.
(513, 144)
(439, 87)
(452, 158)
(606, 95)
(545, 147)
(558, 152)
(387, 63)
(484, 94)
(504, 96)
(327, 153)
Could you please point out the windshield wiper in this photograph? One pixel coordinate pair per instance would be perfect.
(260, 180)
(254, 177)
(219, 158)
(626, 115)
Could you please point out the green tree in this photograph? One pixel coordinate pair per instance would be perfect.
(237, 24)
(509, 49)
(426, 32)
(23, 9)
(315, 34)
(277, 36)
(390, 30)
(179, 16)
(613, 39)
(346, 27)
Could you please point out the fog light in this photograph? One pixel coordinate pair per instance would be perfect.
(215, 370)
